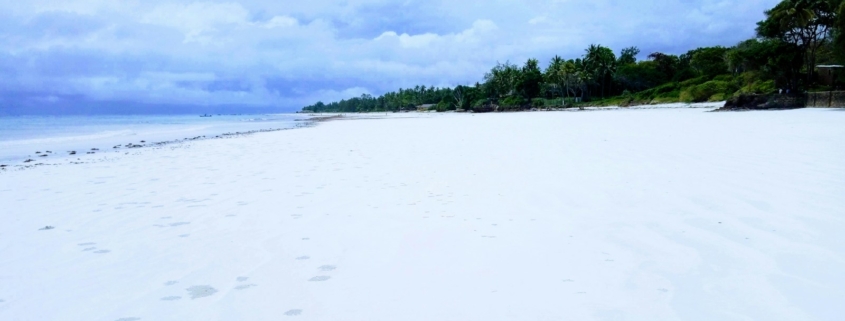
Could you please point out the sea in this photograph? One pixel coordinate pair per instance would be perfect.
(22, 137)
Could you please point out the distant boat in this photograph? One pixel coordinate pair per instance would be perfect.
(205, 115)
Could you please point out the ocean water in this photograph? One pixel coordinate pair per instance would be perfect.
(22, 136)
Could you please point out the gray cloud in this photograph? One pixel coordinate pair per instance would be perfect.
(272, 55)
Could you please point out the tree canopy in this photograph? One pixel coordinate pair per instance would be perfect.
(794, 36)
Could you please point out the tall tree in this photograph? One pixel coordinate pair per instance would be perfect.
(709, 61)
(553, 76)
(460, 97)
(839, 32)
(804, 23)
(666, 64)
(600, 61)
(628, 56)
(530, 79)
(502, 80)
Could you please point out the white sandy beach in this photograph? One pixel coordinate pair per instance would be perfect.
(650, 214)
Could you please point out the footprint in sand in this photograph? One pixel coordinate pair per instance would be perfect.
(242, 278)
(320, 278)
(327, 268)
(102, 251)
(179, 224)
(88, 249)
(200, 291)
(294, 312)
(86, 244)
(168, 283)
(184, 235)
(303, 258)
(245, 286)
(171, 298)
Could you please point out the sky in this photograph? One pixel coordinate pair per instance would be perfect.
(109, 56)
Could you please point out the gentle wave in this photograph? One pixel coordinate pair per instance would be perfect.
(21, 137)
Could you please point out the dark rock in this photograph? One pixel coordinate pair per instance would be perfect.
(762, 102)
(48, 227)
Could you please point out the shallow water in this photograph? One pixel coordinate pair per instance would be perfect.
(22, 136)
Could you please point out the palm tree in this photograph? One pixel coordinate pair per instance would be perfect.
(553, 75)
(601, 62)
(570, 76)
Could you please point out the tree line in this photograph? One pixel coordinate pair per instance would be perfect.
(794, 37)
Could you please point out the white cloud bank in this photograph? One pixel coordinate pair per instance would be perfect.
(284, 55)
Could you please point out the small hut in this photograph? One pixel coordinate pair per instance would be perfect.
(828, 74)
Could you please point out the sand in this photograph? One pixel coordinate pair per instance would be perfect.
(651, 214)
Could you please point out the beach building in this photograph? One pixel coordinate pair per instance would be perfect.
(828, 74)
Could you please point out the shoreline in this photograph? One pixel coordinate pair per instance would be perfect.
(66, 159)
(313, 119)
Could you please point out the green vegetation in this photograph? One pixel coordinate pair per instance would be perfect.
(795, 36)
(839, 33)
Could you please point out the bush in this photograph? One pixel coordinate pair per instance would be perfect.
(512, 101)
(443, 106)
(685, 74)
(665, 88)
(538, 102)
(717, 97)
(692, 82)
(705, 91)
(724, 78)
(757, 87)
(479, 103)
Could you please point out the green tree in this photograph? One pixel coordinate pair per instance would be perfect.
(803, 23)
(530, 79)
(571, 75)
(640, 76)
(600, 61)
(553, 76)
(839, 33)
(768, 58)
(502, 80)
(666, 64)
(628, 56)
(709, 61)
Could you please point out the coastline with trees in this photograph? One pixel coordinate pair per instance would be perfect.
(795, 36)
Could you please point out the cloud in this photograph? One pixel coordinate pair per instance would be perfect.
(269, 54)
